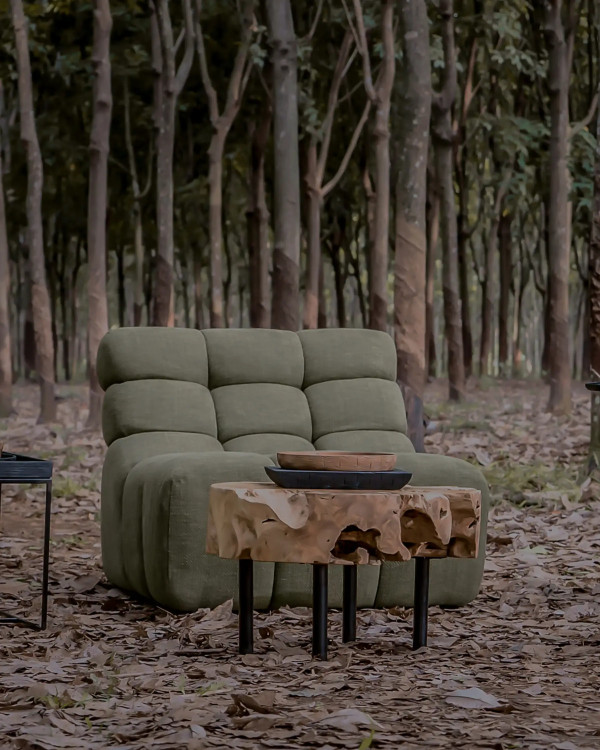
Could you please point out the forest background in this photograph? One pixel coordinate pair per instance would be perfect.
(431, 169)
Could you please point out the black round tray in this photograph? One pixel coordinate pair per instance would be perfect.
(298, 479)
(593, 386)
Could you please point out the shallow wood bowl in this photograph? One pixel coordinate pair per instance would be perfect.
(336, 461)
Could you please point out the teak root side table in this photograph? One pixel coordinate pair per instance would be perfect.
(262, 522)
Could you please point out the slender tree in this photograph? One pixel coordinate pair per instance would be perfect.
(560, 26)
(221, 122)
(411, 198)
(594, 308)
(40, 299)
(99, 149)
(286, 190)
(443, 135)
(138, 194)
(258, 222)
(316, 164)
(506, 279)
(380, 95)
(5, 340)
(169, 82)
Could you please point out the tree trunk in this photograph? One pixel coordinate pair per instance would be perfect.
(221, 124)
(215, 230)
(443, 134)
(594, 310)
(313, 240)
(433, 231)
(559, 41)
(40, 300)
(198, 296)
(506, 270)
(465, 301)
(169, 83)
(410, 274)
(378, 270)
(258, 226)
(138, 233)
(286, 251)
(488, 295)
(517, 353)
(5, 339)
(99, 149)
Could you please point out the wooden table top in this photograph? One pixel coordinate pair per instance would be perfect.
(263, 522)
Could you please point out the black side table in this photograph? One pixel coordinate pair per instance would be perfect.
(15, 469)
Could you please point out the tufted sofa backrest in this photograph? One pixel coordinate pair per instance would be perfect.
(254, 389)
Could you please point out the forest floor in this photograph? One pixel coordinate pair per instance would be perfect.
(517, 668)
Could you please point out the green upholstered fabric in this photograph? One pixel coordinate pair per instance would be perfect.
(254, 355)
(384, 441)
(339, 354)
(154, 405)
(120, 459)
(452, 582)
(359, 404)
(268, 443)
(143, 353)
(164, 526)
(254, 408)
(269, 391)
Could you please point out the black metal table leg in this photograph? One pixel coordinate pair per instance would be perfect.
(319, 645)
(421, 602)
(46, 567)
(246, 604)
(5, 617)
(349, 608)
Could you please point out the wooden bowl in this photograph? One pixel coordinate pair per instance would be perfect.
(336, 461)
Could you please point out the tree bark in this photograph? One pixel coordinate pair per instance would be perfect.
(411, 227)
(380, 95)
(433, 231)
(559, 41)
(221, 124)
(97, 199)
(506, 270)
(286, 199)
(594, 309)
(138, 232)
(313, 239)
(258, 225)
(316, 163)
(5, 338)
(40, 300)
(443, 136)
(169, 82)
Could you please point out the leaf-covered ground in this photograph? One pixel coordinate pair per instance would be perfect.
(518, 668)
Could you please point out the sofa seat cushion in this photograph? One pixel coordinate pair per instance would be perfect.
(121, 457)
(453, 582)
(165, 511)
(253, 408)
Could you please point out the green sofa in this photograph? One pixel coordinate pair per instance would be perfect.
(184, 409)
